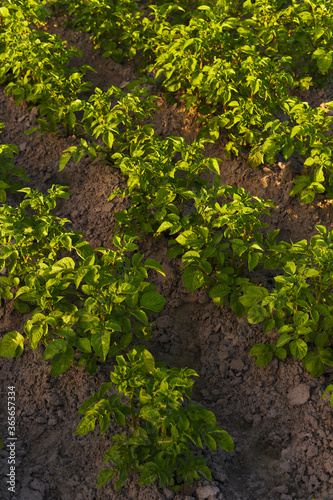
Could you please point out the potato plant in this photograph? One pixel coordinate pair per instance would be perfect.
(162, 430)
(34, 68)
(300, 306)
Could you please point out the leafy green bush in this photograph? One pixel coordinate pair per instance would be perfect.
(300, 306)
(34, 67)
(161, 430)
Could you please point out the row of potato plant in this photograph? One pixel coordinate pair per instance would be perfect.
(86, 305)
(35, 69)
(218, 231)
(236, 64)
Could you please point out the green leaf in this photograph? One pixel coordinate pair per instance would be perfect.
(253, 260)
(11, 345)
(210, 442)
(149, 361)
(280, 352)
(256, 158)
(86, 425)
(71, 118)
(126, 339)
(324, 62)
(164, 196)
(218, 292)
(152, 301)
(122, 478)
(295, 130)
(64, 160)
(283, 340)
(224, 440)
(101, 343)
(164, 226)
(62, 362)
(264, 353)
(4, 12)
(21, 307)
(213, 165)
(269, 324)
(147, 477)
(193, 278)
(298, 348)
(119, 417)
(54, 347)
(307, 196)
(153, 264)
(104, 476)
(65, 263)
(108, 139)
(113, 325)
(84, 345)
(326, 356)
(187, 238)
(328, 389)
(36, 333)
(288, 150)
(319, 175)
(236, 305)
(253, 294)
(313, 364)
(140, 315)
(256, 314)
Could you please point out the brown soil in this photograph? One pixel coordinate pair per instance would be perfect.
(281, 428)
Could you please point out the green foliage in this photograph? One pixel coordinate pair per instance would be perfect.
(93, 304)
(107, 21)
(162, 429)
(300, 306)
(236, 64)
(118, 126)
(34, 67)
(8, 170)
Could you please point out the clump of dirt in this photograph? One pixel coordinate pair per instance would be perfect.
(281, 428)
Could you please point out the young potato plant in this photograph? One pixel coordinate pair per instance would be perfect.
(106, 20)
(161, 429)
(8, 170)
(29, 236)
(34, 68)
(307, 133)
(33, 11)
(302, 30)
(94, 305)
(118, 126)
(300, 306)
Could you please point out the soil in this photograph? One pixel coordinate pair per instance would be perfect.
(281, 428)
